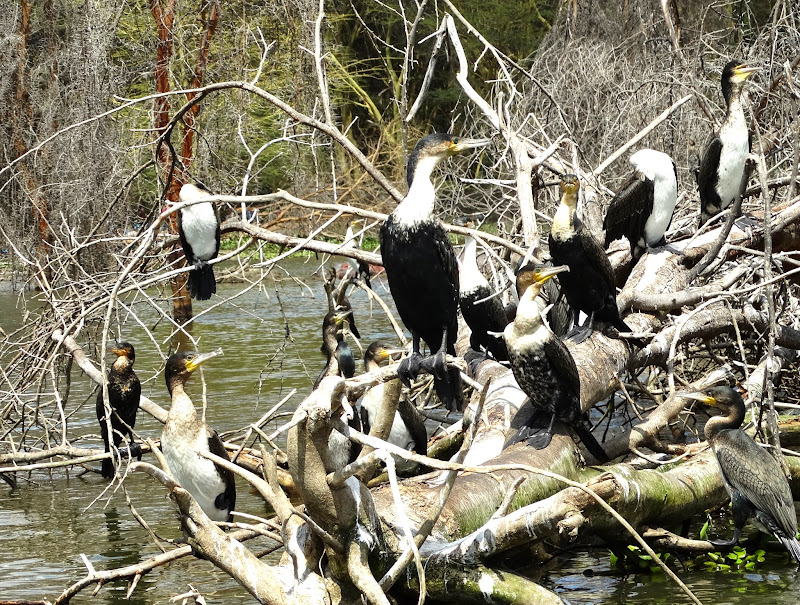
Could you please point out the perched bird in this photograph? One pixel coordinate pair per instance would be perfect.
(422, 270)
(350, 242)
(754, 479)
(124, 390)
(484, 313)
(185, 435)
(559, 316)
(198, 227)
(408, 426)
(545, 370)
(340, 360)
(722, 166)
(589, 284)
(642, 211)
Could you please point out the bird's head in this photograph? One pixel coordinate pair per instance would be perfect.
(535, 274)
(569, 189)
(125, 356)
(734, 75)
(379, 351)
(434, 148)
(722, 397)
(180, 366)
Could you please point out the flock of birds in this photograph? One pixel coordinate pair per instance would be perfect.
(429, 285)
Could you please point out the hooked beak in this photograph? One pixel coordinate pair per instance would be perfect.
(744, 71)
(548, 272)
(341, 316)
(699, 396)
(466, 144)
(391, 353)
(202, 358)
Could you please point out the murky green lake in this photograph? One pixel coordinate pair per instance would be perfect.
(271, 337)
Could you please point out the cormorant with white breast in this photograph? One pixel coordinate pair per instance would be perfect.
(642, 211)
(422, 270)
(185, 435)
(545, 370)
(722, 166)
(408, 427)
(198, 228)
(483, 312)
(124, 390)
(589, 284)
(754, 479)
(559, 315)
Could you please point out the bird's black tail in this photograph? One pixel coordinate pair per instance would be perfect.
(792, 546)
(107, 468)
(202, 283)
(586, 437)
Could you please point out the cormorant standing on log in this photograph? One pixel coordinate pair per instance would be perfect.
(589, 285)
(185, 434)
(198, 228)
(722, 166)
(483, 317)
(124, 391)
(642, 211)
(338, 353)
(753, 478)
(408, 427)
(422, 270)
(545, 370)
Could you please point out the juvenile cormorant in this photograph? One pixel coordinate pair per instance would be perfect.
(408, 427)
(589, 285)
(754, 479)
(198, 227)
(124, 391)
(483, 317)
(643, 209)
(559, 316)
(722, 166)
(422, 269)
(185, 434)
(340, 360)
(545, 370)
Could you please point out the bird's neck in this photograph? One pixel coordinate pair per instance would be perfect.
(418, 204)
(122, 365)
(471, 276)
(735, 111)
(733, 420)
(330, 340)
(182, 405)
(528, 321)
(370, 365)
(564, 219)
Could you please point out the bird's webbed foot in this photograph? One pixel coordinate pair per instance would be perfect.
(579, 334)
(436, 365)
(409, 368)
(728, 543)
(135, 450)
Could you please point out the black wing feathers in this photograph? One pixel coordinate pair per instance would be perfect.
(629, 211)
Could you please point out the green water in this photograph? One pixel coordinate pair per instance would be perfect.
(270, 337)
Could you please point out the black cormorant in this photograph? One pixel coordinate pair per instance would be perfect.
(722, 166)
(487, 316)
(408, 427)
(753, 478)
(545, 370)
(340, 360)
(589, 284)
(124, 391)
(185, 434)
(422, 269)
(643, 209)
(198, 227)
(350, 242)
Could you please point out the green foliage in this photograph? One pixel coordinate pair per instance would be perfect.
(736, 560)
(633, 558)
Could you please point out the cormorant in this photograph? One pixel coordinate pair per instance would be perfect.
(754, 479)
(483, 317)
(722, 166)
(559, 316)
(589, 285)
(124, 390)
(350, 242)
(185, 434)
(643, 209)
(408, 427)
(198, 227)
(337, 351)
(545, 370)
(422, 269)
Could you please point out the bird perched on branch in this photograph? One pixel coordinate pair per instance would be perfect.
(589, 284)
(483, 312)
(422, 270)
(722, 167)
(340, 360)
(350, 242)
(124, 391)
(545, 370)
(198, 228)
(642, 211)
(185, 435)
(754, 479)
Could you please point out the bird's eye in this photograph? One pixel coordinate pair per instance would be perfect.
(455, 141)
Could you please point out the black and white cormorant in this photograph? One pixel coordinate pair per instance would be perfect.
(484, 313)
(589, 284)
(124, 390)
(198, 227)
(559, 315)
(340, 360)
(185, 434)
(722, 165)
(408, 426)
(422, 269)
(642, 211)
(545, 370)
(754, 479)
